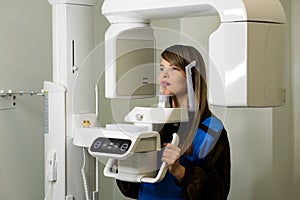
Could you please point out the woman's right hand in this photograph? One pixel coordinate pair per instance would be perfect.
(171, 156)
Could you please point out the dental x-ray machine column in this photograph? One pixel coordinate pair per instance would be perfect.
(73, 40)
(245, 49)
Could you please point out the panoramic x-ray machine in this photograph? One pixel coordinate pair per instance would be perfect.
(246, 51)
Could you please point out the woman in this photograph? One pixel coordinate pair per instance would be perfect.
(200, 167)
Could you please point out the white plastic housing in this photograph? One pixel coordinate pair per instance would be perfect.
(141, 141)
(159, 115)
(248, 60)
(118, 11)
(54, 138)
(129, 61)
(137, 166)
(245, 52)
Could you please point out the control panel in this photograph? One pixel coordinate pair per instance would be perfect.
(110, 145)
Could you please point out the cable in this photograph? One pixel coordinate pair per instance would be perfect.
(50, 188)
(86, 191)
(97, 175)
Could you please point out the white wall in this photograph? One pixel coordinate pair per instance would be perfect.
(25, 62)
(295, 78)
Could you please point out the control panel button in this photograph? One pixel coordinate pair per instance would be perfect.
(97, 144)
(124, 147)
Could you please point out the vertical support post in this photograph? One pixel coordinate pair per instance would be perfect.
(73, 40)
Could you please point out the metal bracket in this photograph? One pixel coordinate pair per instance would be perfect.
(8, 98)
(7, 102)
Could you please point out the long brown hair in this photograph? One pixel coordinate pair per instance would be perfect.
(181, 56)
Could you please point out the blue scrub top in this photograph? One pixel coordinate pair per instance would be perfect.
(203, 142)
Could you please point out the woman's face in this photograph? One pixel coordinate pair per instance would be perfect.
(172, 80)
